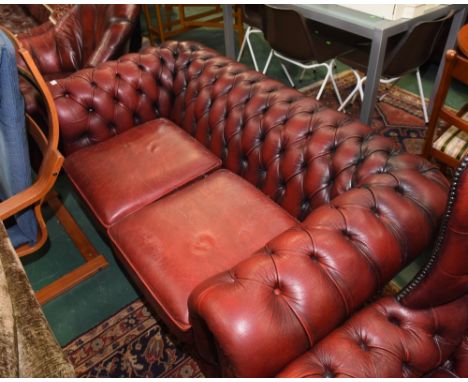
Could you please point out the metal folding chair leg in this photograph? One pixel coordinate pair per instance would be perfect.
(246, 41)
(331, 66)
(421, 94)
(354, 92)
(285, 70)
(268, 61)
(324, 83)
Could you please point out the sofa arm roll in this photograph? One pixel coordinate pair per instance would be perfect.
(254, 319)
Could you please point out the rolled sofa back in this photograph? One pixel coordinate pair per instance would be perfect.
(297, 151)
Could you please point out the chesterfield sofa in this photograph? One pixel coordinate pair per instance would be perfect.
(254, 219)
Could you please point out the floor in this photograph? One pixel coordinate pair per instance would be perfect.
(105, 293)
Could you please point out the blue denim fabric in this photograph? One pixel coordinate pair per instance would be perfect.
(15, 167)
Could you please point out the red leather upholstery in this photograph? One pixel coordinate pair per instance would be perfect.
(137, 167)
(309, 279)
(96, 104)
(86, 36)
(386, 340)
(197, 232)
(449, 265)
(367, 207)
(413, 334)
(456, 366)
(294, 149)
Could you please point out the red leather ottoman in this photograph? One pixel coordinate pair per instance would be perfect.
(179, 241)
(122, 174)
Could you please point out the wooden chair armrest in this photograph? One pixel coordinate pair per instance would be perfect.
(34, 193)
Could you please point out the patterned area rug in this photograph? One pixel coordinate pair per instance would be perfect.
(132, 344)
(399, 115)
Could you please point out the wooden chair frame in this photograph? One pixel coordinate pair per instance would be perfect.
(169, 28)
(41, 190)
(456, 66)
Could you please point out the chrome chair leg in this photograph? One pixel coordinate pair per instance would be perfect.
(267, 64)
(302, 74)
(252, 54)
(332, 65)
(286, 72)
(354, 92)
(246, 41)
(421, 94)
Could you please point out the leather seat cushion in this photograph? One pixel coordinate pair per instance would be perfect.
(205, 228)
(130, 170)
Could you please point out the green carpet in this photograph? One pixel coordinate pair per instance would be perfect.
(93, 300)
(108, 291)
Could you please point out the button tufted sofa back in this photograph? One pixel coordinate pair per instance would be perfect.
(95, 104)
(298, 152)
(294, 149)
(413, 334)
(367, 207)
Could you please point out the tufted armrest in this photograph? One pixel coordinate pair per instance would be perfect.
(254, 319)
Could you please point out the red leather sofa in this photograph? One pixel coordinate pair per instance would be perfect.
(311, 215)
(410, 335)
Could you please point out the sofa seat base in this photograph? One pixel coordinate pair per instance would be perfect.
(181, 240)
(122, 174)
